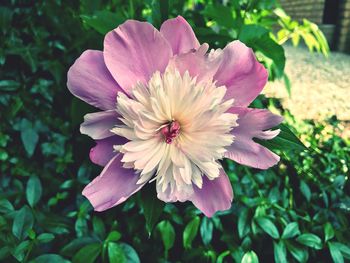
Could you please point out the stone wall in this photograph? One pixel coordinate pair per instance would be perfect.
(343, 28)
(309, 9)
(337, 34)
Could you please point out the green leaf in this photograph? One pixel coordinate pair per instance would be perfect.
(222, 256)
(9, 85)
(116, 253)
(152, 207)
(113, 236)
(29, 136)
(305, 190)
(287, 84)
(280, 252)
(328, 232)
(33, 191)
(299, 253)
(335, 253)
(285, 141)
(268, 226)
(160, 10)
(75, 245)
(250, 32)
(45, 237)
(52, 258)
(310, 240)
(5, 206)
(250, 257)
(291, 230)
(20, 250)
(206, 230)
(345, 250)
(243, 223)
(99, 227)
(221, 14)
(167, 233)
(190, 232)
(88, 254)
(130, 253)
(22, 223)
(4, 252)
(103, 21)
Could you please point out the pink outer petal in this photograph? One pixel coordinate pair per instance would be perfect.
(215, 195)
(90, 81)
(253, 123)
(134, 51)
(197, 64)
(103, 152)
(98, 125)
(241, 73)
(179, 34)
(113, 186)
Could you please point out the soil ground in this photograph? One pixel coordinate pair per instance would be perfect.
(320, 86)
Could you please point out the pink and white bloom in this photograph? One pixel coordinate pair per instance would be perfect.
(170, 110)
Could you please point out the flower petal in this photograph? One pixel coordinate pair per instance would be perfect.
(179, 34)
(98, 125)
(90, 81)
(197, 64)
(134, 51)
(253, 123)
(241, 73)
(215, 195)
(168, 196)
(113, 186)
(103, 151)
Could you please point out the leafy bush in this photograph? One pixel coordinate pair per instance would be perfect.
(297, 211)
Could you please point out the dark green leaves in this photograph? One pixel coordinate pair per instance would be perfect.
(280, 252)
(335, 253)
(49, 258)
(152, 207)
(160, 12)
(122, 253)
(115, 253)
(291, 230)
(22, 222)
(243, 223)
(268, 226)
(298, 252)
(328, 232)
(206, 230)
(45, 237)
(305, 190)
(129, 253)
(250, 257)
(167, 233)
(310, 240)
(285, 141)
(29, 136)
(103, 21)
(190, 232)
(9, 85)
(258, 38)
(5, 206)
(88, 254)
(33, 191)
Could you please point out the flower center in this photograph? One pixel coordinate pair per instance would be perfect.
(177, 128)
(170, 131)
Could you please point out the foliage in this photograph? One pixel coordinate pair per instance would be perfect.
(298, 210)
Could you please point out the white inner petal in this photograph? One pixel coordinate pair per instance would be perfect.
(173, 102)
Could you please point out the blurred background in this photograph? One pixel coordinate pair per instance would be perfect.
(297, 211)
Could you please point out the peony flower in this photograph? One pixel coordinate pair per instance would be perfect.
(170, 111)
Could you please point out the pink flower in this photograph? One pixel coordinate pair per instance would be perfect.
(170, 112)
